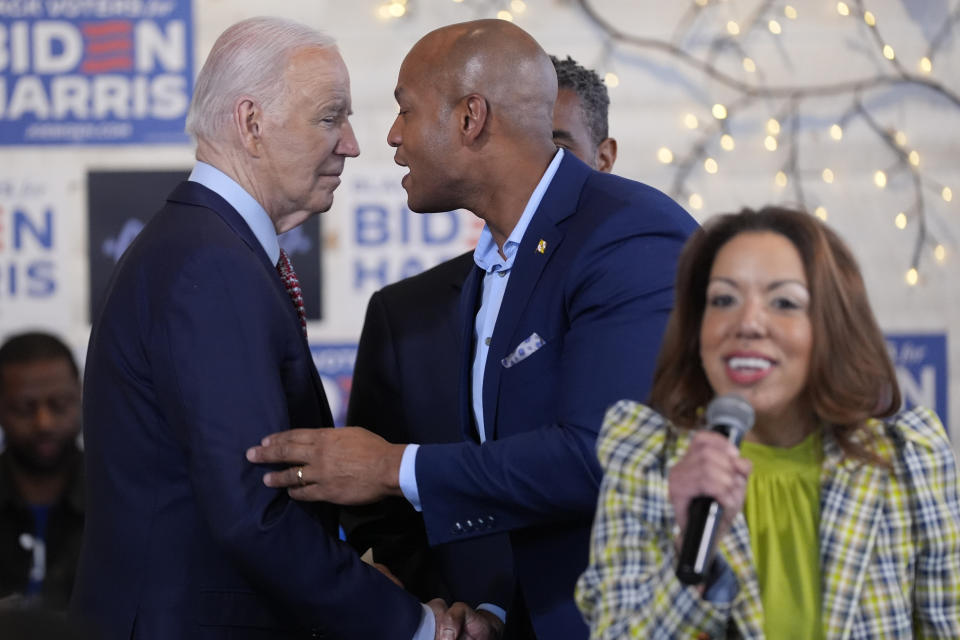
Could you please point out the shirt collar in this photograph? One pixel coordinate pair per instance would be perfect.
(246, 205)
(487, 255)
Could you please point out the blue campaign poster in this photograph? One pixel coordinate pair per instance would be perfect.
(334, 363)
(75, 72)
(921, 364)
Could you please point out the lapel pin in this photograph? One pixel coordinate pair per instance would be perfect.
(541, 246)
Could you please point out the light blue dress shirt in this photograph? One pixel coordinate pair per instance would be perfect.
(496, 275)
(246, 205)
(260, 223)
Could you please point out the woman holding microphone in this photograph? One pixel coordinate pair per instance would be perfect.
(840, 513)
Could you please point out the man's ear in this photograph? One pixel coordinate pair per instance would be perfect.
(472, 117)
(606, 155)
(248, 120)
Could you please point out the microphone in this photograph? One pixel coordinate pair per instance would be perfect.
(731, 416)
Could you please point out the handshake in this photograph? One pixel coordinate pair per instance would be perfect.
(457, 622)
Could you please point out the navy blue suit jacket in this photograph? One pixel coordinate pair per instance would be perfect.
(593, 277)
(406, 388)
(198, 354)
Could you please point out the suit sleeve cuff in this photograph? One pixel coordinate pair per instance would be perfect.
(428, 624)
(408, 476)
(495, 610)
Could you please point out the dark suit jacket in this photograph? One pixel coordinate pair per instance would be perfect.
(198, 354)
(405, 387)
(593, 277)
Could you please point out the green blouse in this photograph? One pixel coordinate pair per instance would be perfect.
(782, 509)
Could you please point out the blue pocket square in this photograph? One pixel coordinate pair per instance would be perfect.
(524, 350)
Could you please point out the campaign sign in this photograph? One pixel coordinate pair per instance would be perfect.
(921, 365)
(121, 202)
(93, 72)
(334, 363)
(35, 243)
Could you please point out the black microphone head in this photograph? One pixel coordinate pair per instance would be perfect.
(730, 414)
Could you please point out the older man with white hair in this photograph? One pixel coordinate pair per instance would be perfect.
(200, 348)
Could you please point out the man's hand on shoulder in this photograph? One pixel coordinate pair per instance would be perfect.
(347, 465)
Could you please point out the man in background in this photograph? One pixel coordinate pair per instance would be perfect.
(41, 471)
(406, 379)
(561, 317)
(200, 348)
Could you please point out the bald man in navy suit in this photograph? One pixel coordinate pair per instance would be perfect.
(406, 378)
(560, 317)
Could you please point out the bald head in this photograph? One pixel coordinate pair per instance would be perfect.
(498, 60)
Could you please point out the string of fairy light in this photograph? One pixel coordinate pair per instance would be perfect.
(785, 127)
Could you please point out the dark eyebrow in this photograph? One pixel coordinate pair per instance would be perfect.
(562, 134)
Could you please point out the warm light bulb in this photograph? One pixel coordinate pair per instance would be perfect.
(749, 65)
(947, 194)
(770, 143)
(790, 12)
(914, 158)
(836, 132)
(900, 138)
(926, 65)
(880, 179)
(912, 276)
(843, 9)
(733, 28)
(901, 220)
(774, 27)
(397, 9)
(518, 6)
(690, 121)
(827, 176)
(820, 212)
(870, 19)
(888, 52)
(384, 11)
(780, 179)
(611, 79)
(664, 155)
(940, 253)
(702, 3)
(710, 165)
(505, 15)
(695, 201)
(726, 141)
(719, 111)
(773, 127)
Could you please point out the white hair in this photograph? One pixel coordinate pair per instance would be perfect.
(248, 59)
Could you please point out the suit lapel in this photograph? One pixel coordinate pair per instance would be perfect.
(193, 193)
(540, 242)
(747, 610)
(469, 297)
(851, 507)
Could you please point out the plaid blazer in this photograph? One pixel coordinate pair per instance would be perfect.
(889, 539)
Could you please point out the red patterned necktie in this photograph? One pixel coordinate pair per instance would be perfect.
(289, 277)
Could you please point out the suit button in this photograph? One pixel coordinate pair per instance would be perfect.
(469, 525)
(481, 523)
(491, 520)
(457, 528)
